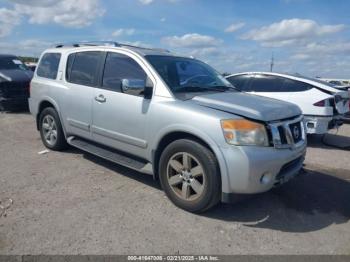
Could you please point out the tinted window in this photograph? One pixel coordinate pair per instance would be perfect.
(48, 66)
(186, 77)
(118, 67)
(83, 70)
(239, 81)
(294, 86)
(70, 61)
(265, 83)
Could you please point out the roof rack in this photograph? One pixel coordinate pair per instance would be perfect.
(108, 43)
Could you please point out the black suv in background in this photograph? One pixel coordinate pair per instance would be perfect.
(15, 78)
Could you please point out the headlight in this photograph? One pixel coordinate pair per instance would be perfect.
(243, 132)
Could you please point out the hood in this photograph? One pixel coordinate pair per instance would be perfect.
(250, 106)
(16, 75)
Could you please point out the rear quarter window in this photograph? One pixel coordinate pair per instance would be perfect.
(295, 86)
(48, 66)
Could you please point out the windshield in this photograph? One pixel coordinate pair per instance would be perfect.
(11, 63)
(187, 77)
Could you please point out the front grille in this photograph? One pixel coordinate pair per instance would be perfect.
(296, 131)
(282, 135)
(289, 133)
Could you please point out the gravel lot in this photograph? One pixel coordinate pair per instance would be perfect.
(75, 203)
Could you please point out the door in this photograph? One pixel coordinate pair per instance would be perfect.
(119, 117)
(81, 79)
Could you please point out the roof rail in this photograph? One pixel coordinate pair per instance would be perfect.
(90, 43)
(108, 43)
(145, 48)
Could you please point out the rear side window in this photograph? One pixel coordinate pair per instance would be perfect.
(82, 68)
(48, 66)
(239, 81)
(295, 86)
(118, 67)
(265, 83)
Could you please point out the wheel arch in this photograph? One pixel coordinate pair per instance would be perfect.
(45, 103)
(172, 136)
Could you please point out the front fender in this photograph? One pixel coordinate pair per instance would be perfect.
(202, 136)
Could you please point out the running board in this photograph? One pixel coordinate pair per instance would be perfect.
(111, 155)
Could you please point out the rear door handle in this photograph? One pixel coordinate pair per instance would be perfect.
(100, 98)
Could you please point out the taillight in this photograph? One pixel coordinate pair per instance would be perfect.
(321, 103)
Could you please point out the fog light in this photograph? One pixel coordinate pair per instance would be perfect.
(266, 178)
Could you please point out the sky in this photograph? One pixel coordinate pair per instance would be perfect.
(310, 37)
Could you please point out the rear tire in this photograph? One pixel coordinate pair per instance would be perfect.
(190, 176)
(51, 131)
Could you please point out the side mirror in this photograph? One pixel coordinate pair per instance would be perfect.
(133, 86)
(148, 89)
(138, 87)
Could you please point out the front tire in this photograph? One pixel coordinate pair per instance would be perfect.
(190, 176)
(51, 130)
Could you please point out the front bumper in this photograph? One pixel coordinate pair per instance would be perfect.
(13, 103)
(253, 169)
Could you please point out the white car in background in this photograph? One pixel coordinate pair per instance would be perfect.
(323, 106)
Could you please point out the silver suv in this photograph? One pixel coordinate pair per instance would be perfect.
(167, 115)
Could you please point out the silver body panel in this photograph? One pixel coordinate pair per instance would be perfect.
(136, 125)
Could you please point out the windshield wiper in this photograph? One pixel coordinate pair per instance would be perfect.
(185, 89)
(224, 88)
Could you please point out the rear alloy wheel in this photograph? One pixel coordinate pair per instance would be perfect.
(190, 176)
(51, 130)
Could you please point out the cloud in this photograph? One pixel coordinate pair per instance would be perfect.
(300, 56)
(205, 52)
(68, 13)
(287, 32)
(145, 2)
(123, 31)
(234, 27)
(328, 48)
(35, 2)
(8, 20)
(191, 40)
(29, 47)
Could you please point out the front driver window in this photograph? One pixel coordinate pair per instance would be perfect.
(119, 67)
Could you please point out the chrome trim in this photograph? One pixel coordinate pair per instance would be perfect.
(276, 138)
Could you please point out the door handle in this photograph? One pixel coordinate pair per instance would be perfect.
(100, 98)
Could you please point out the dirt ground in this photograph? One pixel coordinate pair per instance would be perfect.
(74, 203)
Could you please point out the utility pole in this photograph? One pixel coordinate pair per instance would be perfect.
(272, 63)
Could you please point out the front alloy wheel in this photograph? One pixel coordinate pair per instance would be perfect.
(189, 175)
(186, 176)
